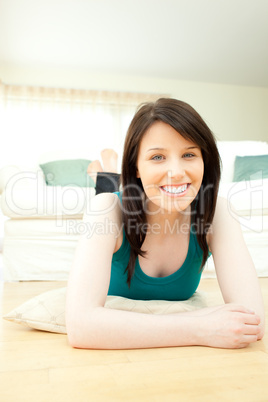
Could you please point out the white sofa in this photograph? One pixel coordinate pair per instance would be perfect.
(44, 222)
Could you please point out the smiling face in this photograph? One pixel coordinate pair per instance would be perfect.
(170, 167)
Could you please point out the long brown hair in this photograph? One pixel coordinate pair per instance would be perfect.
(189, 124)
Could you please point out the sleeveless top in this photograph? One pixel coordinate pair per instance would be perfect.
(180, 285)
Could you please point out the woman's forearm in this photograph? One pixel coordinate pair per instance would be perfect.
(115, 329)
(228, 326)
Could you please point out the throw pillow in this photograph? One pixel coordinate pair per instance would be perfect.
(71, 172)
(46, 312)
(251, 167)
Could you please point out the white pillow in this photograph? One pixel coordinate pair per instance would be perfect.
(46, 312)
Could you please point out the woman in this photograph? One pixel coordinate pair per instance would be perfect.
(158, 234)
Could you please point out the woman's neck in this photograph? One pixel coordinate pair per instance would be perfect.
(165, 222)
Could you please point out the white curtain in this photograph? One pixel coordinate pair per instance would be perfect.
(38, 120)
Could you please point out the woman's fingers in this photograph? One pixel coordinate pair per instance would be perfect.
(250, 324)
(252, 319)
(246, 341)
(239, 309)
(252, 329)
(246, 315)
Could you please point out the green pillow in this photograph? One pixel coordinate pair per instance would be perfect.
(72, 172)
(251, 167)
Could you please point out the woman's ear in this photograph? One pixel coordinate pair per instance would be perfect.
(137, 174)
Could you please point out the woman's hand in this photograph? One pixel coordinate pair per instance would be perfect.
(228, 326)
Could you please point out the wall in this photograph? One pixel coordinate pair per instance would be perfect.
(232, 112)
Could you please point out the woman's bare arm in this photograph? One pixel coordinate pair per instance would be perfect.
(235, 270)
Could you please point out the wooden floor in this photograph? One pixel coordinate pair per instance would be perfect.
(40, 366)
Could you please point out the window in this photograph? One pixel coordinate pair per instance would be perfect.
(39, 120)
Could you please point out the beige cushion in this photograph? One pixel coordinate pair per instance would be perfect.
(46, 312)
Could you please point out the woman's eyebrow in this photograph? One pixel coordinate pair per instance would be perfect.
(156, 149)
(164, 149)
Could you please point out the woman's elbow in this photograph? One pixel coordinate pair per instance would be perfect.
(73, 333)
(73, 338)
(80, 332)
(78, 340)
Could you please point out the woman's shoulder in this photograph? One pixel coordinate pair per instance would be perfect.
(104, 205)
(104, 211)
(225, 220)
(104, 202)
(223, 209)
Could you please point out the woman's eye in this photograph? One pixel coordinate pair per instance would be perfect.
(157, 158)
(189, 155)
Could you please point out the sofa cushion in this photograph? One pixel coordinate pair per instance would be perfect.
(40, 201)
(251, 167)
(230, 149)
(69, 172)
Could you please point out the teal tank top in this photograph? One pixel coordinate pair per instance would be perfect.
(180, 285)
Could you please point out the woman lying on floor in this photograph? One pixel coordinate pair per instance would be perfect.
(159, 232)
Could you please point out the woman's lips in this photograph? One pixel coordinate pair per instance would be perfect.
(175, 190)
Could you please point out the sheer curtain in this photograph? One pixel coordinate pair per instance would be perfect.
(38, 120)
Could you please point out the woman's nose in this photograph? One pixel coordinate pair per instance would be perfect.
(176, 169)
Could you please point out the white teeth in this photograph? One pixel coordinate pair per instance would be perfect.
(175, 190)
